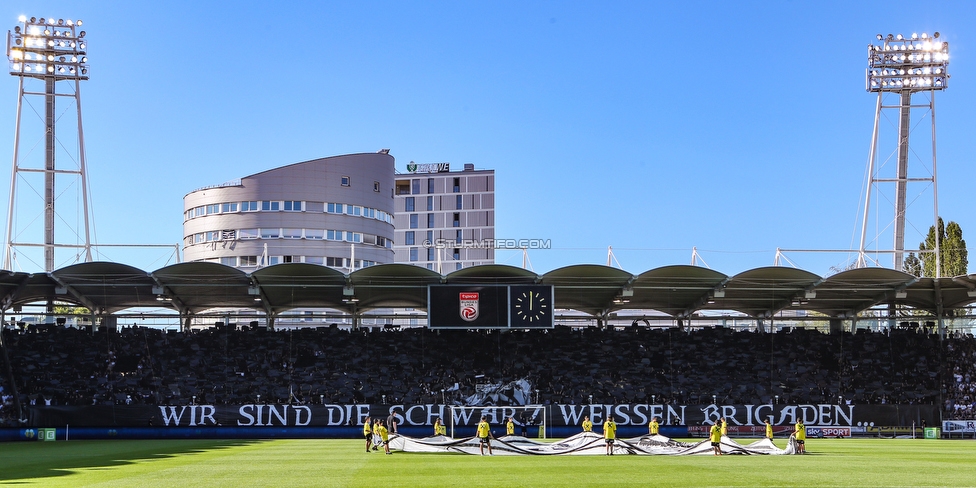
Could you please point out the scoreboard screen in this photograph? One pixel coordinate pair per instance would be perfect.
(489, 306)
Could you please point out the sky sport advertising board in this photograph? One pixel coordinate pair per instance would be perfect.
(489, 307)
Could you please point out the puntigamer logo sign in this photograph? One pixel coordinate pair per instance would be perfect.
(413, 167)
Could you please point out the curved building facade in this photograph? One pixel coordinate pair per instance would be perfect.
(335, 211)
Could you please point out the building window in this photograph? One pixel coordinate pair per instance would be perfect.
(431, 254)
(457, 237)
(413, 254)
(410, 239)
(199, 211)
(213, 235)
(458, 202)
(314, 233)
(457, 219)
(409, 205)
(249, 234)
(293, 206)
(249, 206)
(457, 255)
(229, 260)
(402, 187)
(430, 236)
(335, 262)
(197, 238)
(270, 233)
(376, 186)
(228, 207)
(273, 260)
(345, 181)
(413, 221)
(269, 206)
(415, 186)
(430, 185)
(291, 233)
(246, 261)
(312, 259)
(430, 204)
(213, 209)
(336, 208)
(430, 221)
(457, 266)
(457, 185)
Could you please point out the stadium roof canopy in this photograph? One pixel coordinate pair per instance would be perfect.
(677, 291)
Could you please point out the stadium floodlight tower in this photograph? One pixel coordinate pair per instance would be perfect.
(903, 67)
(52, 52)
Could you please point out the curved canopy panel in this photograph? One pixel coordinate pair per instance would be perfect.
(589, 288)
(849, 292)
(674, 290)
(195, 287)
(762, 291)
(678, 291)
(288, 286)
(22, 288)
(105, 287)
(958, 292)
(10, 284)
(498, 274)
(392, 285)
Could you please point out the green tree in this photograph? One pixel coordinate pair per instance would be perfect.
(952, 251)
(912, 265)
(67, 309)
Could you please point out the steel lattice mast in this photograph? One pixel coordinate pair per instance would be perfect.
(903, 67)
(52, 51)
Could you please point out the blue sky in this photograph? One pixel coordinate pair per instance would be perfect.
(734, 127)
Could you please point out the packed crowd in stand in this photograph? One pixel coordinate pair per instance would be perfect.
(960, 391)
(66, 366)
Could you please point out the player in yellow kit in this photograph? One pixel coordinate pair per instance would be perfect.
(609, 434)
(510, 426)
(484, 435)
(385, 437)
(800, 434)
(368, 433)
(587, 425)
(769, 430)
(653, 427)
(715, 435)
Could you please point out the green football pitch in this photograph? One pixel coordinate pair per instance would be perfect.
(291, 463)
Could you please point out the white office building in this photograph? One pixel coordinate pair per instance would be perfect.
(335, 211)
(444, 220)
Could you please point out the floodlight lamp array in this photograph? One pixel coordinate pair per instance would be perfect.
(900, 63)
(48, 48)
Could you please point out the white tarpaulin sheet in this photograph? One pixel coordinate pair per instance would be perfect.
(584, 443)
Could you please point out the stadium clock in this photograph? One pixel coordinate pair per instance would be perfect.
(531, 306)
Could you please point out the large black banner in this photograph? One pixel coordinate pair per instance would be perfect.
(256, 415)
